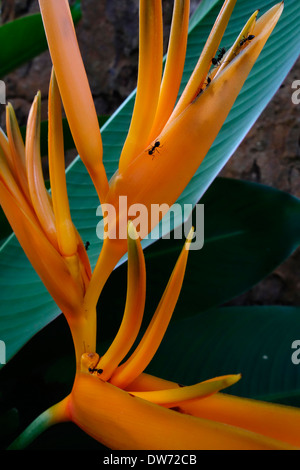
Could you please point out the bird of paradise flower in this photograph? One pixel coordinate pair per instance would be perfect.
(116, 402)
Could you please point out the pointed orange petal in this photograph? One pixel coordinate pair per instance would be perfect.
(11, 185)
(200, 72)
(236, 47)
(186, 140)
(4, 146)
(154, 334)
(17, 149)
(178, 396)
(134, 309)
(66, 234)
(174, 66)
(149, 80)
(268, 419)
(272, 420)
(49, 265)
(39, 196)
(74, 88)
(121, 421)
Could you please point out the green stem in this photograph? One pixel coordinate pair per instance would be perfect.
(55, 414)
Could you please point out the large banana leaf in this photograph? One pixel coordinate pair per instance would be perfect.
(255, 341)
(25, 304)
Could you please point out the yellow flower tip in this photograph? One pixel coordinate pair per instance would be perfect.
(171, 397)
(189, 238)
(227, 380)
(131, 231)
(234, 379)
(11, 120)
(38, 96)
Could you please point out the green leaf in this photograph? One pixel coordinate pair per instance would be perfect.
(24, 38)
(26, 305)
(249, 229)
(255, 341)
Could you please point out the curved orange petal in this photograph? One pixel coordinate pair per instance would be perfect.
(4, 146)
(17, 149)
(134, 309)
(121, 421)
(174, 66)
(154, 334)
(47, 262)
(269, 419)
(200, 72)
(66, 234)
(74, 88)
(12, 186)
(178, 396)
(38, 193)
(149, 80)
(236, 47)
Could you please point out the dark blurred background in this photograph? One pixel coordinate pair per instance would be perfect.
(108, 39)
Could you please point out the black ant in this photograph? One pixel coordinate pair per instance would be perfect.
(154, 147)
(248, 38)
(99, 371)
(217, 60)
(87, 244)
(202, 89)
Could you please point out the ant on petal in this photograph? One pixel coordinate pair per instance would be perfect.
(216, 60)
(154, 147)
(99, 371)
(248, 38)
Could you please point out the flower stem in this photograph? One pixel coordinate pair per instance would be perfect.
(57, 413)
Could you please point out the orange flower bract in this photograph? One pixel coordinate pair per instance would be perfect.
(112, 398)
